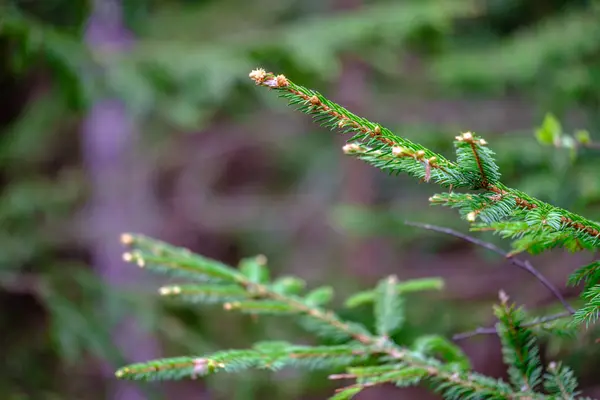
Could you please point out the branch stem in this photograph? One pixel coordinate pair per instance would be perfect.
(523, 264)
(493, 331)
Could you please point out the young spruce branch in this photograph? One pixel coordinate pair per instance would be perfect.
(369, 355)
(534, 225)
(249, 289)
(512, 213)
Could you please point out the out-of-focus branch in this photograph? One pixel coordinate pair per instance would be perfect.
(523, 264)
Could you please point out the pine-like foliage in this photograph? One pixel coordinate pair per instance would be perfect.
(368, 355)
(534, 225)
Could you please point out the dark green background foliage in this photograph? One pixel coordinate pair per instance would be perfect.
(229, 171)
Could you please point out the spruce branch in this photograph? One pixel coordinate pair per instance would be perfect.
(589, 313)
(560, 381)
(588, 274)
(474, 169)
(519, 347)
(420, 364)
(523, 264)
(370, 356)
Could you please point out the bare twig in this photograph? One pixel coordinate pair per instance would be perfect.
(493, 331)
(523, 264)
(592, 145)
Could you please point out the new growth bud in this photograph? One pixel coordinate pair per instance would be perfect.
(127, 239)
(471, 216)
(261, 259)
(258, 75)
(351, 148)
(167, 290)
(281, 81)
(398, 151)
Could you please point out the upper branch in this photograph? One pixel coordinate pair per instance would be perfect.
(475, 169)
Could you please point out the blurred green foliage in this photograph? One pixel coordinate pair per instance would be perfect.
(188, 71)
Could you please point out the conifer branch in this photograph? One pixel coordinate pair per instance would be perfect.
(263, 296)
(560, 381)
(520, 350)
(475, 169)
(370, 356)
(523, 264)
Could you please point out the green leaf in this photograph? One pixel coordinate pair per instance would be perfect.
(582, 136)
(550, 131)
(319, 296)
(389, 312)
(255, 269)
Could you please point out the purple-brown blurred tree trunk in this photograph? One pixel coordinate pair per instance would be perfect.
(120, 190)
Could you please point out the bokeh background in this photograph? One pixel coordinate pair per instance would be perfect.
(138, 115)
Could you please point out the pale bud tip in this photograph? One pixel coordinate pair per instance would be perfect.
(258, 75)
(397, 151)
(127, 238)
(471, 216)
(503, 297)
(261, 259)
(282, 81)
(351, 148)
(127, 257)
(165, 290)
(467, 136)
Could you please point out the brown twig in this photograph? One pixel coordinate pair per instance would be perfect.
(493, 331)
(523, 264)
(592, 145)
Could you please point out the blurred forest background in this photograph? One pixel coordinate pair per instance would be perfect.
(138, 115)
